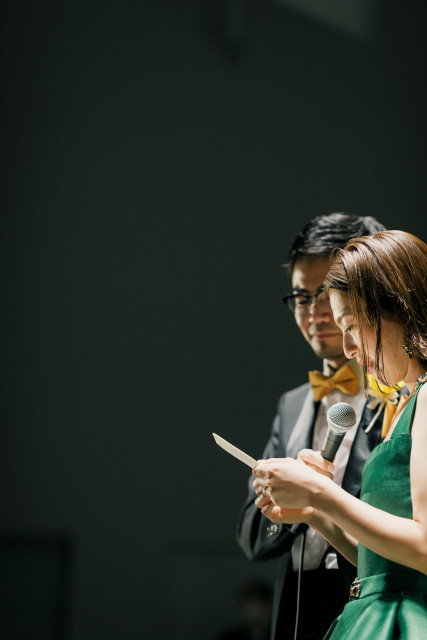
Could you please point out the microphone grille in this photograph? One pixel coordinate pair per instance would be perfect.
(342, 414)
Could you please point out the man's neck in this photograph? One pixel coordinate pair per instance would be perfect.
(334, 365)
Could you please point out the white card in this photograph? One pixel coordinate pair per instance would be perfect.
(234, 451)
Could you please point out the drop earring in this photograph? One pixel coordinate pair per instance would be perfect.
(408, 348)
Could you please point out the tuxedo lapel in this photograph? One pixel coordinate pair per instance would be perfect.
(362, 447)
(302, 433)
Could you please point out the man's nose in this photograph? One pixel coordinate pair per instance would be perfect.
(318, 312)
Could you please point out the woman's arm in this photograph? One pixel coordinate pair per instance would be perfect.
(399, 539)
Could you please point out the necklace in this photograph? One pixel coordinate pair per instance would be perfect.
(422, 378)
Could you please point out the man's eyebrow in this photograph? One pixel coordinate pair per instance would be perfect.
(301, 290)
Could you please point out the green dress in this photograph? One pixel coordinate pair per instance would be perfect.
(390, 598)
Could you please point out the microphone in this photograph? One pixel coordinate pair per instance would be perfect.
(341, 417)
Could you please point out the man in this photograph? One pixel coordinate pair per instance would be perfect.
(301, 423)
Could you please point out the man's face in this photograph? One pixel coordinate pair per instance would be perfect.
(317, 324)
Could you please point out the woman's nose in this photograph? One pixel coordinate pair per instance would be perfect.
(350, 347)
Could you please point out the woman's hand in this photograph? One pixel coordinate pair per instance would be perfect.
(291, 484)
(288, 516)
(277, 514)
(314, 460)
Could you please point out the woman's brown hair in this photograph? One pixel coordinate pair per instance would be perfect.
(385, 275)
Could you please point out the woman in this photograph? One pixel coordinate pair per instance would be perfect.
(378, 293)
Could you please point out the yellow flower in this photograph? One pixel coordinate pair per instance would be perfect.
(383, 397)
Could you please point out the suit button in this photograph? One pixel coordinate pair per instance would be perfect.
(272, 529)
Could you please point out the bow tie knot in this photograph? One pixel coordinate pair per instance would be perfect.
(344, 379)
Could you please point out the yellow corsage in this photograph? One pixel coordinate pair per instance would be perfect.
(383, 397)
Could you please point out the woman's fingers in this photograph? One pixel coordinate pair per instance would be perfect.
(314, 460)
(260, 486)
(280, 515)
(262, 501)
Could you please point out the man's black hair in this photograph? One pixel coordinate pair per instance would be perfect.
(324, 233)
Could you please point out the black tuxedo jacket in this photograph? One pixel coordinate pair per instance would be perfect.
(292, 431)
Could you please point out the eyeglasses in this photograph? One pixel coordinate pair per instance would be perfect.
(300, 303)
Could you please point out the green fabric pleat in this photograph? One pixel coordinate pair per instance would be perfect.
(385, 616)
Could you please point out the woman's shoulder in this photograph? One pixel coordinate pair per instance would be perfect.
(422, 380)
(419, 424)
(422, 393)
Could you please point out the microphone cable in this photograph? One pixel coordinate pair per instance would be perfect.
(300, 570)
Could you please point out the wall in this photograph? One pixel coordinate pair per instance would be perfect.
(155, 173)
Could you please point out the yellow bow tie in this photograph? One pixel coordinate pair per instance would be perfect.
(344, 379)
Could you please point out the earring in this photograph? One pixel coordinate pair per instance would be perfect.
(408, 348)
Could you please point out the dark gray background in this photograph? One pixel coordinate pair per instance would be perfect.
(158, 159)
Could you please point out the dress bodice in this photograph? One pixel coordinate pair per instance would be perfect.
(386, 485)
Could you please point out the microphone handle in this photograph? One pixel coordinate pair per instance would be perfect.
(331, 444)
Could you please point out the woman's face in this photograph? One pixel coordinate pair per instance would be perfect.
(395, 359)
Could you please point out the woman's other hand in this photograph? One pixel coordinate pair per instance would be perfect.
(314, 460)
